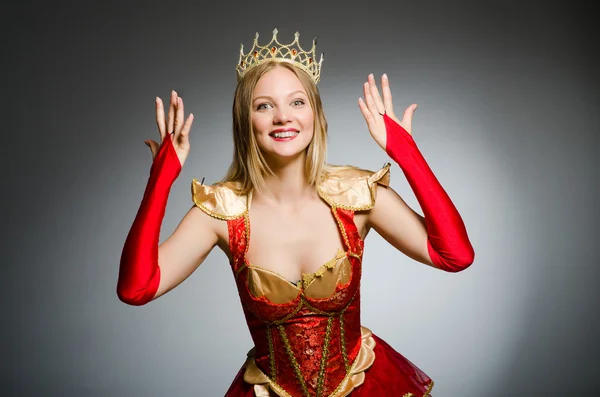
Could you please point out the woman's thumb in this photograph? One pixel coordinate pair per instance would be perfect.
(153, 147)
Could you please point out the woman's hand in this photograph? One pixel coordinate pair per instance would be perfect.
(173, 128)
(373, 109)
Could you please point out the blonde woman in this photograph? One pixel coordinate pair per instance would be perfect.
(293, 228)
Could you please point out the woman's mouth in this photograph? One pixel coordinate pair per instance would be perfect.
(284, 135)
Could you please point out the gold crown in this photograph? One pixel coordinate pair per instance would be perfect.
(275, 51)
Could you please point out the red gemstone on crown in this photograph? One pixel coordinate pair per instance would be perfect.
(273, 49)
(255, 54)
(293, 51)
(309, 60)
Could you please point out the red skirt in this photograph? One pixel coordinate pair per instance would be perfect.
(391, 375)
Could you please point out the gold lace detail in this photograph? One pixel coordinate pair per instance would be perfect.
(355, 375)
(292, 357)
(273, 373)
(343, 342)
(330, 264)
(429, 387)
(324, 357)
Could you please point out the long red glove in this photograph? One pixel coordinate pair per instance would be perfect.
(139, 273)
(448, 244)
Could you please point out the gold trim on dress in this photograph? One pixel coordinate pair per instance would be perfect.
(429, 387)
(318, 285)
(352, 188)
(355, 376)
(343, 341)
(220, 201)
(324, 357)
(308, 278)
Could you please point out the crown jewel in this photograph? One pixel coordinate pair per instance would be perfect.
(274, 50)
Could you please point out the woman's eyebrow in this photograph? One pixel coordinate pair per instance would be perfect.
(289, 95)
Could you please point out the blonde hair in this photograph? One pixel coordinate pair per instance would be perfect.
(249, 165)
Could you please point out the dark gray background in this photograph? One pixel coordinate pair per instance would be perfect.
(508, 121)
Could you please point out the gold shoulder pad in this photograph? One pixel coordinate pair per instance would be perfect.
(352, 188)
(220, 201)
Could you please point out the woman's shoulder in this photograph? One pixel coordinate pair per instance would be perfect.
(342, 186)
(220, 200)
(351, 187)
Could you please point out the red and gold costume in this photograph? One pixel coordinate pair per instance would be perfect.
(309, 341)
(308, 338)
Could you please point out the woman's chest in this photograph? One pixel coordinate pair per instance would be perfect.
(293, 243)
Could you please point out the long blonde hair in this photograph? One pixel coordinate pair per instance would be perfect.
(249, 165)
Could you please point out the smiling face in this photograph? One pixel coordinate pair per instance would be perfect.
(289, 99)
(282, 116)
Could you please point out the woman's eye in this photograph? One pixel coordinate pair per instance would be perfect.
(298, 102)
(262, 106)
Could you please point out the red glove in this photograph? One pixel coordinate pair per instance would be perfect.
(139, 273)
(447, 241)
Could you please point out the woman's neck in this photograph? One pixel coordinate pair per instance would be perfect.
(289, 183)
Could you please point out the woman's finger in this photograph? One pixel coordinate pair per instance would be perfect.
(369, 99)
(178, 116)
(375, 94)
(185, 131)
(407, 117)
(366, 113)
(171, 116)
(387, 94)
(160, 118)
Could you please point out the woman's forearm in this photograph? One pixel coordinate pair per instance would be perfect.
(139, 272)
(447, 240)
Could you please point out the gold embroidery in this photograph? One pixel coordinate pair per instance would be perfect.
(342, 228)
(292, 358)
(424, 395)
(428, 390)
(247, 222)
(353, 378)
(330, 264)
(324, 356)
(429, 387)
(273, 373)
(277, 389)
(343, 341)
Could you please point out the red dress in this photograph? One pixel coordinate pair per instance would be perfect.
(308, 338)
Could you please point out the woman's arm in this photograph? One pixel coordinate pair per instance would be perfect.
(148, 270)
(390, 211)
(440, 237)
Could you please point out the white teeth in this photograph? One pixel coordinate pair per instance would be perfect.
(286, 134)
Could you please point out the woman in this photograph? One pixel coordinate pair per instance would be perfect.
(298, 270)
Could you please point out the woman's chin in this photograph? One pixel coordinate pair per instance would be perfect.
(285, 155)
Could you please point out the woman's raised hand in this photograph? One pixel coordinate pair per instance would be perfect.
(173, 128)
(373, 108)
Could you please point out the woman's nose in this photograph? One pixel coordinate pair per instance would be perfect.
(281, 116)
